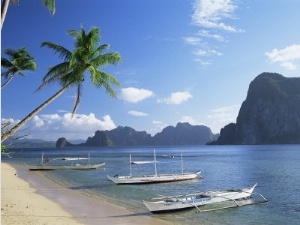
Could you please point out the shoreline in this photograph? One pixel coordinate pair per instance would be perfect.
(30, 198)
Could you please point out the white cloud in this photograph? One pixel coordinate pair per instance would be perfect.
(218, 118)
(210, 13)
(157, 122)
(176, 98)
(135, 95)
(189, 119)
(285, 57)
(8, 123)
(226, 109)
(192, 40)
(208, 52)
(46, 119)
(203, 62)
(206, 33)
(210, 16)
(63, 111)
(87, 122)
(136, 113)
(52, 126)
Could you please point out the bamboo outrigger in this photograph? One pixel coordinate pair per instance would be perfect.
(180, 202)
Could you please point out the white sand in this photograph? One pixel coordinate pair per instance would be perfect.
(42, 202)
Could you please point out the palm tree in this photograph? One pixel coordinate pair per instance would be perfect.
(86, 57)
(18, 61)
(50, 4)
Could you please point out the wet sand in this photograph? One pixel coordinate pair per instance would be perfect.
(29, 198)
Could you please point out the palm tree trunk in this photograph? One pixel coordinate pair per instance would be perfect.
(6, 83)
(32, 114)
(4, 7)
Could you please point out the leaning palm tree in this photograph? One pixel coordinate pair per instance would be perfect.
(87, 57)
(17, 62)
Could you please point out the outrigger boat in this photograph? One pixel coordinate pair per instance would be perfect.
(155, 178)
(174, 203)
(169, 156)
(142, 162)
(47, 165)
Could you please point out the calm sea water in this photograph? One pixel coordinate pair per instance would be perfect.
(276, 169)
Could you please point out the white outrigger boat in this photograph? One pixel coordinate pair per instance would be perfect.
(180, 202)
(155, 178)
(46, 164)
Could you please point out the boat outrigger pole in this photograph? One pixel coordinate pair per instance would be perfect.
(235, 206)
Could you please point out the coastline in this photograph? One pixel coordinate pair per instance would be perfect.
(29, 198)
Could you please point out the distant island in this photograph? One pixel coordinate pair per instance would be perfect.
(182, 134)
(269, 115)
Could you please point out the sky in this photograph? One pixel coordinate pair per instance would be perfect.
(182, 61)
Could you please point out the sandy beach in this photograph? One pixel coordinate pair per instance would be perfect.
(29, 198)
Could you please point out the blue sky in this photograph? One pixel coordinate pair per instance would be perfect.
(182, 61)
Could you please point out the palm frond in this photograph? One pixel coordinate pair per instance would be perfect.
(73, 77)
(94, 36)
(104, 79)
(5, 74)
(76, 56)
(79, 36)
(29, 65)
(54, 74)
(6, 63)
(62, 81)
(109, 90)
(93, 73)
(24, 64)
(73, 33)
(64, 53)
(46, 83)
(98, 51)
(10, 52)
(57, 71)
(50, 4)
(106, 59)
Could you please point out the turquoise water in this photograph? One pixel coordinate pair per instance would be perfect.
(276, 169)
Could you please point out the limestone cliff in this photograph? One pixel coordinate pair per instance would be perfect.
(269, 115)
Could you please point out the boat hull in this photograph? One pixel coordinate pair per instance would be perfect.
(154, 178)
(176, 203)
(61, 167)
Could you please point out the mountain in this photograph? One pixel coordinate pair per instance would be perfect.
(269, 115)
(127, 136)
(182, 134)
(28, 143)
(100, 139)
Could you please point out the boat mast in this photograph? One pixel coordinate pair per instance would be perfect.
(181, 164)
(42, 159)
(155, 170)
(130, 173)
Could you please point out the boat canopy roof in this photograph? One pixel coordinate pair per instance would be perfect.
(72, 158)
